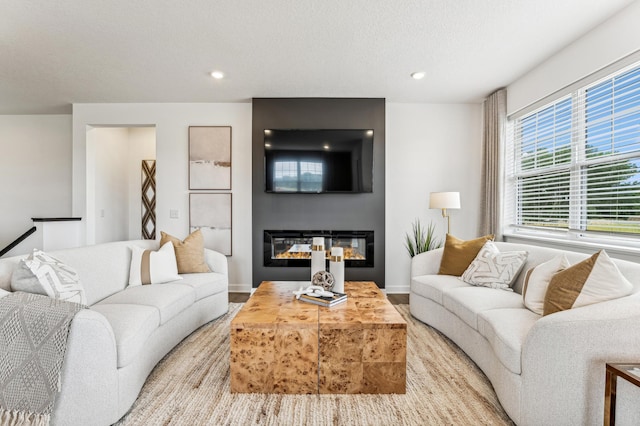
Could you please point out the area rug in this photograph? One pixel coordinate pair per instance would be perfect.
(190, 386)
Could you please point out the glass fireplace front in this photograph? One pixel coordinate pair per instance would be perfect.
(293, 248)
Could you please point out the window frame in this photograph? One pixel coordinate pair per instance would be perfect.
(578, 221)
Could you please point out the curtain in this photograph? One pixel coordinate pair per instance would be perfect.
(493, 140)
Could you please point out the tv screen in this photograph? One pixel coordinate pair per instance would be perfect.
(318, 161)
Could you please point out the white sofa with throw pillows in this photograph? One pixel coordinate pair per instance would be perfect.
(128, 326)
(544, 352)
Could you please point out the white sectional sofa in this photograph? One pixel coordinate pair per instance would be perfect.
(114, 345)
(545, 370)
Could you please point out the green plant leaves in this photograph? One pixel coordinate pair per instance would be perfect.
(421, 239)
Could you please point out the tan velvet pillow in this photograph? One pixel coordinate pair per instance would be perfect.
(458, 254)
(189, 253)
(595, 279)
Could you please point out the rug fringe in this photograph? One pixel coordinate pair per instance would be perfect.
(23, 418)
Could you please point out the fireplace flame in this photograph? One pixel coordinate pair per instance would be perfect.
(349, 254)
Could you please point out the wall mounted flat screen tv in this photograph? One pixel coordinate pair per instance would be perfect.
(318, 161)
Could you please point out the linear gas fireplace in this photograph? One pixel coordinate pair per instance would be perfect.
(293, 248)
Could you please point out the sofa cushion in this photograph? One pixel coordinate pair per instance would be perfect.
(189, 253)
(494, 269)
(537, 280)
(169, 299)
(468, 302)
(102, 268)
(433, 286)
(593, 280)
(205, 284)
(153, 267)
(41, 273)
(132, 325)
(506, 331)
(458, 254)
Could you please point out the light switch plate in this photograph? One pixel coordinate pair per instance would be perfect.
(174, 214)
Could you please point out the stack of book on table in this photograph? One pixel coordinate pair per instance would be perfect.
(328, 301)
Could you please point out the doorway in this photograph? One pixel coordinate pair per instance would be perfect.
(117, 157)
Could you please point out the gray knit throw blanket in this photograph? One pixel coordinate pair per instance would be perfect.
(33, 341)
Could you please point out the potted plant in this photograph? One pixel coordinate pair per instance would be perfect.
(421, 239)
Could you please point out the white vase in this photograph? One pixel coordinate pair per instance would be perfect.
(336, 267)
(317, 255)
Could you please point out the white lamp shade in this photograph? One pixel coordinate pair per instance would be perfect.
(444, 200)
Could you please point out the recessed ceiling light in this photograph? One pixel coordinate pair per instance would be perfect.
(369, 132)
(217, 75)
(267, 131)
(268, 145)
(418, 75)
(326, 147)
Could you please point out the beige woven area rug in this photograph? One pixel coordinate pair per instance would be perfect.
(190, 386)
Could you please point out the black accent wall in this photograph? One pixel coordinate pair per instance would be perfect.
(362, 211)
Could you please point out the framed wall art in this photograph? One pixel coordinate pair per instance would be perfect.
(148, 199)
(210, 157)
(211, 213)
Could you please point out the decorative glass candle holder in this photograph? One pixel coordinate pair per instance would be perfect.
(336, 266)
(317, 255)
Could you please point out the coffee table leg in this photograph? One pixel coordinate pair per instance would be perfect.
(610, 399)
(356, 361)
(274, 361)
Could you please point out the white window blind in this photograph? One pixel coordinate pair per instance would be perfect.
(574, 164)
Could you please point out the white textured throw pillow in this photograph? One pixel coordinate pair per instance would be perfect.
(153, 267)
(537, 280)
(43, 274)
(494, 269)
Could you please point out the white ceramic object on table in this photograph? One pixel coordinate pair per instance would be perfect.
(317, 255)
(336, 266)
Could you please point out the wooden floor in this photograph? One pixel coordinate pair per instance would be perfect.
(395, 299)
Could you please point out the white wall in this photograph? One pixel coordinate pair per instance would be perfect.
(171, 122)
(109, 166)
(612, 40)
(35, 171)
(429, 148)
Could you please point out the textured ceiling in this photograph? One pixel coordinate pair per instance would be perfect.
(55, 53)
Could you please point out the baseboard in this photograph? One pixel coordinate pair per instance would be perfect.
(239, 288)
(401, 289)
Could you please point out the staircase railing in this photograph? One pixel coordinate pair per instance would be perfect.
(17, 241)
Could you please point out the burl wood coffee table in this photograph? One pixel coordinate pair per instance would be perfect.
(283, 345)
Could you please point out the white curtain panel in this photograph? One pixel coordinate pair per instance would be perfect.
(493, 140)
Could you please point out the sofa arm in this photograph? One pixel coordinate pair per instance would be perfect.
(426, 263)
(217, 261)
(564, 356)
(89, 394)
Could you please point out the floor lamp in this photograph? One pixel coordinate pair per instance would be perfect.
(444, 201)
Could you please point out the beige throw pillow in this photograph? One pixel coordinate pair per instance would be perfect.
(189, 253)
(458, 254)
(537, 280)
(593, 280)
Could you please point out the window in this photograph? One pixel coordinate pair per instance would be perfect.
(297, 176)
(574, 165)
